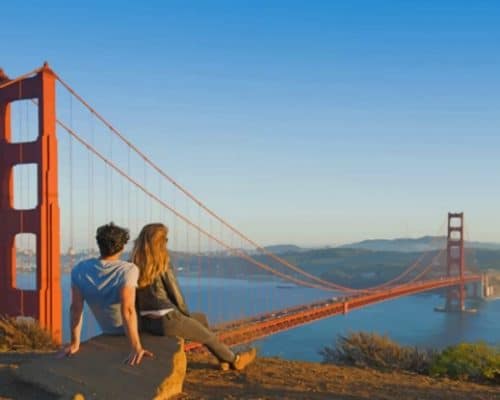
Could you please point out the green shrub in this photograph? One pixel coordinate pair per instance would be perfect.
(375, 351)
(468, 361)
(24, 335)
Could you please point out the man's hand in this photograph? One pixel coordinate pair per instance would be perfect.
(129, 317)
(136, 356)
(76, 319)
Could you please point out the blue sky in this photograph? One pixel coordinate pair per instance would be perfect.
(306, 122)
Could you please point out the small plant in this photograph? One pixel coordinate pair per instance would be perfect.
(468, 361)
(18, 334)
(374, 351)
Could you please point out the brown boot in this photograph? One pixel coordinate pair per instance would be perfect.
(243, 359)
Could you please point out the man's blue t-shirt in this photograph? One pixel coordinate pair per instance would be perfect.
(100, 283)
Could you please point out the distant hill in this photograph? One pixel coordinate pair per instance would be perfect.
(284, 248)
(425, 243)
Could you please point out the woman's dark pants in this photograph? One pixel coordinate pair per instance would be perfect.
(179, 325)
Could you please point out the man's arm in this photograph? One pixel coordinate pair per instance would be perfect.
(76, 319)
(129, 317)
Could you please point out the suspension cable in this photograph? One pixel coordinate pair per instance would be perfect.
(196, 200)
(236, 252)
(408, 270)
(323, 284)
(428, 268)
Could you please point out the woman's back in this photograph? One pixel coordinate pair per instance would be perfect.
(153, 296)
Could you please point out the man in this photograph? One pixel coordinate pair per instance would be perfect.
(108, 286)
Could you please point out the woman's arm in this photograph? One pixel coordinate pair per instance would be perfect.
(174, 291)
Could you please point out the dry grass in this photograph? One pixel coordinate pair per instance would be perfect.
(467, 361)
(276, 379)
(370, 350)
(18, 334)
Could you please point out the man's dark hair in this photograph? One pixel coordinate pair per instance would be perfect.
(111, 239)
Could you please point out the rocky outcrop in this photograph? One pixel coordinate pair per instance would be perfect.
(98, 371)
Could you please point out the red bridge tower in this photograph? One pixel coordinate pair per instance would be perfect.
(455, 300)
(44, 303)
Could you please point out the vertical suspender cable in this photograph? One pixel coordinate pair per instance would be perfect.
(239, 311)
(105, 200)
(173, 228)
(224, 267)
(212, 305)
(174, 233)
(89, 191)
(129, 205)
(199, 263)
(121, 202)
(92, 187)
(160, 194)
(111, 197)
(71, 204)
(268, 293)
(136, 208)
(90, 223)
(187, 254)
(145, 182)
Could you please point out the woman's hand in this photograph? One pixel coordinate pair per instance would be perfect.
(69, 349)
(135, 357)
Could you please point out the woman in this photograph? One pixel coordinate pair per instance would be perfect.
(162, 308)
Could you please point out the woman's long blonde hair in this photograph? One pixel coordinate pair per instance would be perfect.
(150, 253)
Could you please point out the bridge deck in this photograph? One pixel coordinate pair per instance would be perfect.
(244, 331)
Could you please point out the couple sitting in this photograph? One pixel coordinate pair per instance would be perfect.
(112, 288)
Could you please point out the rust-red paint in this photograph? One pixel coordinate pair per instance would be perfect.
(45, 303)
(455, 261)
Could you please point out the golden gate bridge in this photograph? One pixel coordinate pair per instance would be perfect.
(64, 170)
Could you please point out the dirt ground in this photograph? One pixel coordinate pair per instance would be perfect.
(270, 378)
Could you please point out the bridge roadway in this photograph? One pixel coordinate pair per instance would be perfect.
(250, 329)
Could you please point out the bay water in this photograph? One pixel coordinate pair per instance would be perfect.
(408, 320)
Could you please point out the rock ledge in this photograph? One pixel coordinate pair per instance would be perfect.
(97, 371)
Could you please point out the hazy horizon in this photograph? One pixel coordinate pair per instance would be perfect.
(301, 246)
